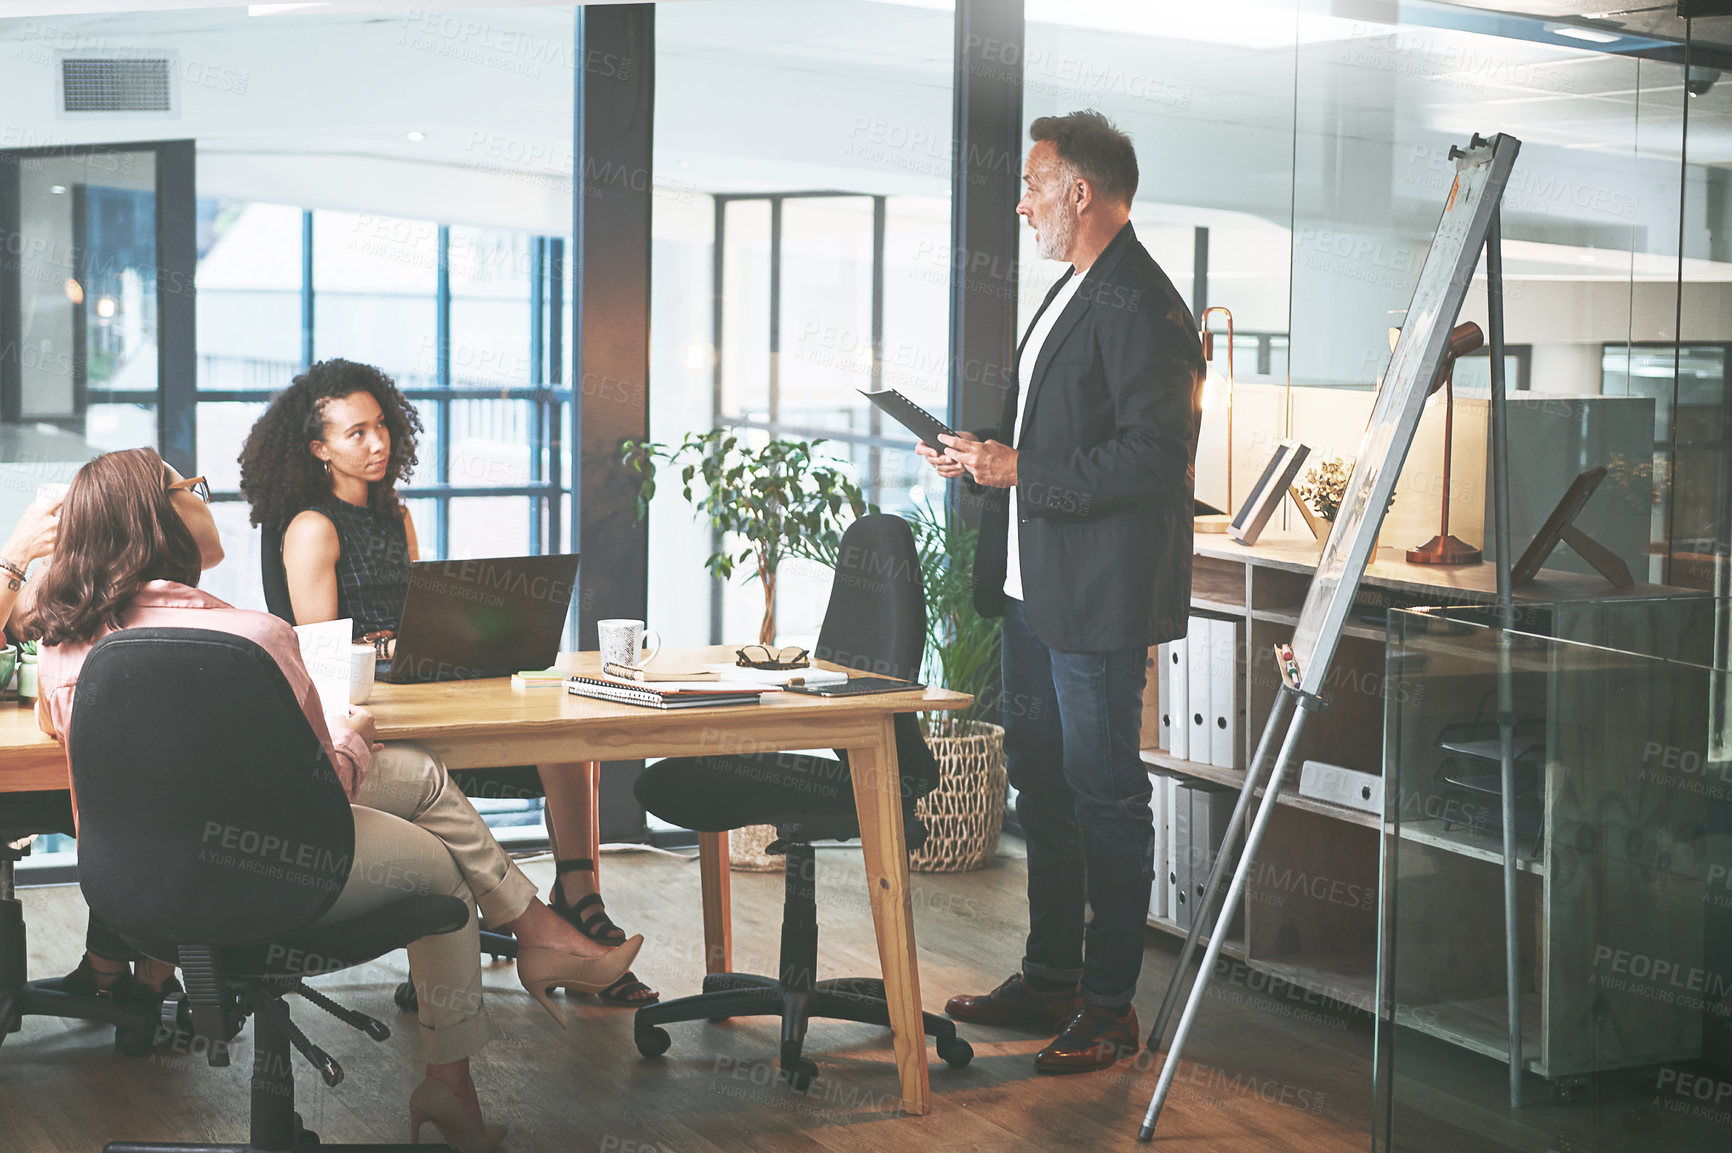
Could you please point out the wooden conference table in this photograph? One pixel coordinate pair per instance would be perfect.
(477, 724)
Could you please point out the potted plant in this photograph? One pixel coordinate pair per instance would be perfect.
(766, 504)
(27, 673)
(1321, 492)
(965, 813)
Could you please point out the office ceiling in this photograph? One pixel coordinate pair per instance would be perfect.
(345, 106)
(1643, 18)
(51, 8)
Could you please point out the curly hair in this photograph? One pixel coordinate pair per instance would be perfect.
(119, 530)
(280, 476)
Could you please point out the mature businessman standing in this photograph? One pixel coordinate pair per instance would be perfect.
(1085, 549)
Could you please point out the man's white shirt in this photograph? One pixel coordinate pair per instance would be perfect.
(1037, 334)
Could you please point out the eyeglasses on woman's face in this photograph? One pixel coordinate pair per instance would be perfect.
(197, 485)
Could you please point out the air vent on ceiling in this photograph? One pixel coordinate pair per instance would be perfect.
(132, 84)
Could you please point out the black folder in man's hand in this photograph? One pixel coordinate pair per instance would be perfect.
(910, 416)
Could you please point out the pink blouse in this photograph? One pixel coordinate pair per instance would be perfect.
(169, 604)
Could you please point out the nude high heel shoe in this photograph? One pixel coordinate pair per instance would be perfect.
(542, 970)
(433, 1101)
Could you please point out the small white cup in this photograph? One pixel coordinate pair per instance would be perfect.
(623, 642)
(361, 661)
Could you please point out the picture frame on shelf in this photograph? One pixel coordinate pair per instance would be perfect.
(1266, 495)
(1560, 528)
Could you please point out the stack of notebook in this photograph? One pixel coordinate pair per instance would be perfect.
(663, 694)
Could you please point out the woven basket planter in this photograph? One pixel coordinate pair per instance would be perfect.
(964, 814)
(746, 849)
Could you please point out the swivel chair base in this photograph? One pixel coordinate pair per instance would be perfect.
(135, 1029)
(748, 995)
(276, 1126)
(794, 997)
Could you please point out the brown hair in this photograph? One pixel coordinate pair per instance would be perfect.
(1094, 149)
(118, 530)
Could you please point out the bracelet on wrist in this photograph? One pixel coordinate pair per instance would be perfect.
(8, 566)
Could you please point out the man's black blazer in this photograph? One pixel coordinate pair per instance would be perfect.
(1106, 464)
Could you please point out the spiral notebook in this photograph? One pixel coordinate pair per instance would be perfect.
(664, 695)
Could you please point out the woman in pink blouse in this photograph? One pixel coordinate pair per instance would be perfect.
(133, 539)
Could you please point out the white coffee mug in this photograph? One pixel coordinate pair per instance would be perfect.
(623, 642)
(361, 661)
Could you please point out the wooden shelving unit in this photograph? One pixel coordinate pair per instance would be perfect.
(1313, 897)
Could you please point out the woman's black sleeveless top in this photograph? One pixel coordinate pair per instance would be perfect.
(372, 566)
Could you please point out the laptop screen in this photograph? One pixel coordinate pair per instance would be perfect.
(483, 617)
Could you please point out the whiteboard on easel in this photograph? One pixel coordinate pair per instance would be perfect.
(1480, 175)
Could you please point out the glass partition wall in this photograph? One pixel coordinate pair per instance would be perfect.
(1622, 914)
(1295, 158)
(802, 250)
(395, 187)
(351, 187)
(372, 186)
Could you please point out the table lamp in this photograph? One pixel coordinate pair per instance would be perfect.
(1444, 549)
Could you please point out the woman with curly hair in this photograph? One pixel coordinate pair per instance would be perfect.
(320, 470)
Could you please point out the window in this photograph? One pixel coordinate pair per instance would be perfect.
(788, 279)
(493, 463)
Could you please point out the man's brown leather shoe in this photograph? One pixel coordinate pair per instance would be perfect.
(1094, 1039)
(1015, 1002)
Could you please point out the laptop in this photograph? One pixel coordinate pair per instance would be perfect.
(486, 617)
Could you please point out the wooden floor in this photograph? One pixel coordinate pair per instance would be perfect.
(1261, 1073)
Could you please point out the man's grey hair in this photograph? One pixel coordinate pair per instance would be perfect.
(1093, 148)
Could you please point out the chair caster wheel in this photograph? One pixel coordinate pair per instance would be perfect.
(133, 1042)
(800, 1074)
(956, 1052)
(405, 997)
(652, 1042)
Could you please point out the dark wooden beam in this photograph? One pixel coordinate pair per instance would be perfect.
(613, 125)
(985, 184)
(177, 311)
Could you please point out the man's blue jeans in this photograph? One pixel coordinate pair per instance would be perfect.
(1071, 731)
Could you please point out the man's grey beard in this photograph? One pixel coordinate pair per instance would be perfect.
(1055, 239)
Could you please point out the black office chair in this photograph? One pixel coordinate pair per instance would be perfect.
(273, 575)
(509, 781)
(214, 832)
(22, 815)
(875, 622)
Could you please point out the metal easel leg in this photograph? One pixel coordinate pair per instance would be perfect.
(1200, 916)
(1506, 612)
(1235, 893)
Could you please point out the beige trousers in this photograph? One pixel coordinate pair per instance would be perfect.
(417, 834)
